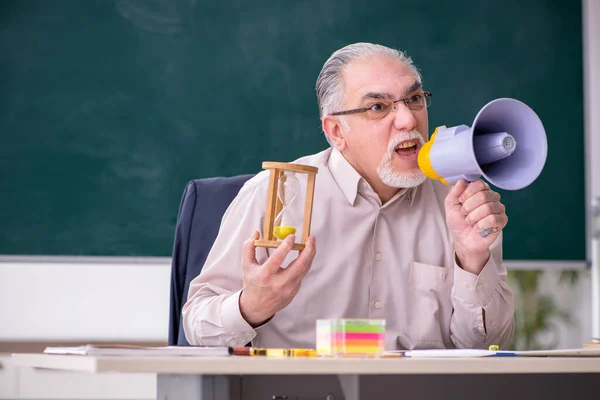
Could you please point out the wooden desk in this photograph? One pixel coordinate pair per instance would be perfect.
(350, 379)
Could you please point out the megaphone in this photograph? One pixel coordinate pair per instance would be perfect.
(506, 144)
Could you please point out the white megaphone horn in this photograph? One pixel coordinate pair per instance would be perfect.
(506, 144)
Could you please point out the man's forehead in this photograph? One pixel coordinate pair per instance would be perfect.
(384, 75)
(388, 93)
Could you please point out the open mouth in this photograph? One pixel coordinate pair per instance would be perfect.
(407, 147)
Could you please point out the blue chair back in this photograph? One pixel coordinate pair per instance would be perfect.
(202, 206)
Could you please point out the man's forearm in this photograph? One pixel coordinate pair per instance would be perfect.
(483, 308)
(215, 320)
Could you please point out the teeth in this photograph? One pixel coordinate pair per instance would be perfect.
(407, 144)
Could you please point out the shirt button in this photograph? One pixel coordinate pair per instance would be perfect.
(479, 286)
(378, 256)
(378, 304)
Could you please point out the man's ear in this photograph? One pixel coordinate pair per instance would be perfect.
(334, 130)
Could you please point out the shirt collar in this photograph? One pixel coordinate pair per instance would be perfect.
(344, 175)
(409, 193)
(348, 179)
(412, 193)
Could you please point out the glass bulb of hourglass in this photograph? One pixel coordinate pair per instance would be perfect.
(288, 190)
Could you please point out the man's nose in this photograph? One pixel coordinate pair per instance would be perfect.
(404, 119)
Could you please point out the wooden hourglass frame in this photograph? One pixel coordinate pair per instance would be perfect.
(274, 205)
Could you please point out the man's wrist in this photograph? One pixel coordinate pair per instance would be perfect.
(253, 319)
(471, 262)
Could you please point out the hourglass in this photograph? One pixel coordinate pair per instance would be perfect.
(284, 193)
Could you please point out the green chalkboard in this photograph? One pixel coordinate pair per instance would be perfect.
(108, 108)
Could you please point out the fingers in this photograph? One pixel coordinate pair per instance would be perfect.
(481, 212)
(482, 207)
(452, 198)
(249, 250)
(471, 189)
(477, 193)
(495, 222)
(301, 265)
(274, 262)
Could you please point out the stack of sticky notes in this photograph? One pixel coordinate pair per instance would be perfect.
(350, 337)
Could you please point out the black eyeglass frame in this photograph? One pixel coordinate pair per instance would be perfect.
(426, 95)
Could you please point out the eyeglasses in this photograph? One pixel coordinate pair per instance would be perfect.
(381, 108)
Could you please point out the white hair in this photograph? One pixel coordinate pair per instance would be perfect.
(330, 83)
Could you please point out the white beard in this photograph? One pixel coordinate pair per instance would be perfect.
(389, 175)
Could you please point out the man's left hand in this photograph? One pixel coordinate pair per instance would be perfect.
(471, 209)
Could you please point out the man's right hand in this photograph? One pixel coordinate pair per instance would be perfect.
(268, 288)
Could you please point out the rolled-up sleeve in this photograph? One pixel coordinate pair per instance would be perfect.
(211, 315)
(483, 305)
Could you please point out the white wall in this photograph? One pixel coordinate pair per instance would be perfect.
(130, 301)
(85, 300)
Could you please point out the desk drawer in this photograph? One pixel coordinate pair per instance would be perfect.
(8, 378)
(65, 385)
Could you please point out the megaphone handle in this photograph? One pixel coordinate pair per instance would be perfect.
(485, 232)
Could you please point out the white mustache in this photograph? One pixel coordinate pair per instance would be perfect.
(402, 137)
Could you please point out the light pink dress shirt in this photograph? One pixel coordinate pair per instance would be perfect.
(394, 261)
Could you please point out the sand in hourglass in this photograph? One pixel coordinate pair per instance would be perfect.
(287, 191)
